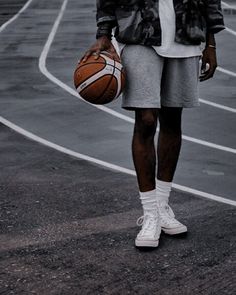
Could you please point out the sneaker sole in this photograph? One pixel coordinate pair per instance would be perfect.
(146, 243)
(175, 231)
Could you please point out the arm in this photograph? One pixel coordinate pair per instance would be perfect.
(214, 23)
(106, 20)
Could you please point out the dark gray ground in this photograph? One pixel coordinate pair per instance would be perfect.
(67, 226)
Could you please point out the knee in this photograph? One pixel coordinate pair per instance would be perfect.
(170, 121)
(146, 124)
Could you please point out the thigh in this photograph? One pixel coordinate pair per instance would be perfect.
(143, 68)
(179, 85)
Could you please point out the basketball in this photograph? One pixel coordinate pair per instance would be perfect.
(99, 81)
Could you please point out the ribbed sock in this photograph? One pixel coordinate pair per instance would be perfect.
(163, 189)
(149, 202)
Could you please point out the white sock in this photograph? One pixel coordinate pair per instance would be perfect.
(149, 202)
(163, 189)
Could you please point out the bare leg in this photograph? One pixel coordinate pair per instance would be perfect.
(169, 142)
(143, 148)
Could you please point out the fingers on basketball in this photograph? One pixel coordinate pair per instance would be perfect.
(86, 56)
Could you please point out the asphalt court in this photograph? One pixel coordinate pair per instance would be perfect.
(67, 227)
(86, 209)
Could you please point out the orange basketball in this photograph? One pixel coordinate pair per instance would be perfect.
(99, 81)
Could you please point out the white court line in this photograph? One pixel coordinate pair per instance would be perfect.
(227, 5)
(232, 7)
(213, 104)
(230, 73)
(85, 157)
(3, 27)
(107, 164)
(230, 31)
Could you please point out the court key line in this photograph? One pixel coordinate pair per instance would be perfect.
(91, 159)
(107, 164)
(50, 76)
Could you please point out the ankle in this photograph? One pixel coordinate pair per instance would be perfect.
(163, 189)
(149, 202)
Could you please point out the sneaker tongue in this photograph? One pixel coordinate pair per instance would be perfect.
(151, 213)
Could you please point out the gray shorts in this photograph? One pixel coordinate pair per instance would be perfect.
(153, 81)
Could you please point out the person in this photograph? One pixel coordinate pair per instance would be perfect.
(160, 47)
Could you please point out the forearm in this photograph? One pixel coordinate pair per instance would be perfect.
(210, 40)
(104, 29)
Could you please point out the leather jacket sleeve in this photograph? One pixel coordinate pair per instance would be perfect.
(214, 16)
(105, 17)
(106, 11)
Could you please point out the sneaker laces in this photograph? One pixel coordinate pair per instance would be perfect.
(168, 211)
(167, 215)
(148, 222)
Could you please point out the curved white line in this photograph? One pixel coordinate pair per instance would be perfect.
(44, 70)
(216, 105)
(230, 31)
(107, 164)
(3, 27)
(230, 73)
(227, 5)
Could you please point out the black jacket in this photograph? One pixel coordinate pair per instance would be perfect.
(138, 22)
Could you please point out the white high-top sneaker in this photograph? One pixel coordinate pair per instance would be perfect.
(150, 233)
(169, 224)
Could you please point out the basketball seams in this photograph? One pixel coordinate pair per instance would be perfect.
(118, 80)
(90, 84)
(106, 90)
(112, 75)
(95, 76)
(82, 81)
(106, 64)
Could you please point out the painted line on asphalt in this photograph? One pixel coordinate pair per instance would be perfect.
(108, 165)
(3, 26)
(228, 5)
(231, 7)
(45, 72)
(230, 31)
(225, 4)
(228, 72)
(213, 104)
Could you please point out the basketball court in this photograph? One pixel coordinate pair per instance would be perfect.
(68, 193)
